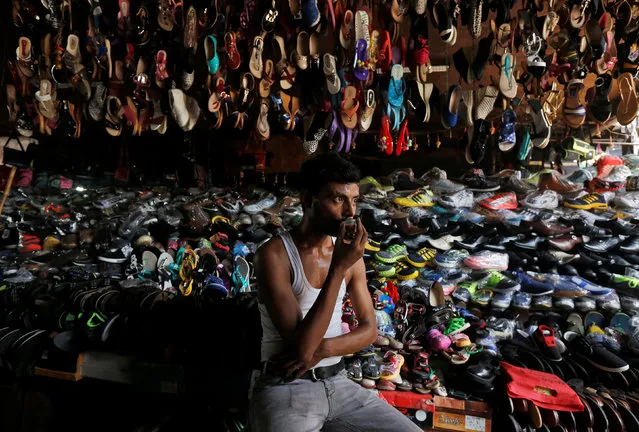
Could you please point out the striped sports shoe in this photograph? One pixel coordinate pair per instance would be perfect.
(419, 198)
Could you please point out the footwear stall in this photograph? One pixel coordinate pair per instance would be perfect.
(150, 147)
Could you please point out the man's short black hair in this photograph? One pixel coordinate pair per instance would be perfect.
(326, 168)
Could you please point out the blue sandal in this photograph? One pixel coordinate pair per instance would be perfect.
(395, 109)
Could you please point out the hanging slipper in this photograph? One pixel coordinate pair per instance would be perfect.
(315, 128)
(166, 14)
(627, 108)
(256, 65)
(477, 144)
(160, 69)
(385, 53)
(595, 39)
(403, 139)
(466, 107)
(314, 53)
(362, 29)
(541, 125)
(262, 126)
(159, 122)
(46, 100)
(507, 135)
(234, 60)
(350, 105)
(551, 21)
(210, 52)
(366, 116)
(601, 105)
(574, 111)
(450, 111)
(97, 104)
(361, 66)
(421, 55)
(507, 83)
(124, 17)
(286, 117)
(425, 91)
(396, 89)
(554, 101)
(486, 97)
(24, 58)
(270, 17)
(385, 138)
(346, 32)
(302, 53)
(333, 83)
(267, 79)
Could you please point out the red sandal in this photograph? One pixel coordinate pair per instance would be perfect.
(385, 54)
(403, 141)
(385, 138)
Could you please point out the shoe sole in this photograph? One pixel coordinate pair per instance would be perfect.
(415, 264)
(112, 260)
(410, 277)
(604, 368)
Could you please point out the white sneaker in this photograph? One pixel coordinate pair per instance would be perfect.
(542, 199)
(260, 206)
(627, 200)
(463, 198)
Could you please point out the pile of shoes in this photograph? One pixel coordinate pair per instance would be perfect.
(469, 271)
(83, 265)
(137, 64)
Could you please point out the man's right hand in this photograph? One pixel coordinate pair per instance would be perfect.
(347, 254)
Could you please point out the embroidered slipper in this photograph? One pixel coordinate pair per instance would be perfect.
(267, 79)
(627, 108)
(425, 92)
(507, 83)
(574, 111)
(507, 135)
(46, 100)
(333, 83)
(210, 52)
(362, 30)
(160, 69)
(350, 105)
(366, 116)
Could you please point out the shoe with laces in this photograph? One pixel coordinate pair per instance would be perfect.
(463, 198)
(628, 200)
(451, 258)
(500, 201)
(422, 258)
(589, 202)
(498, 282)
(516, 185)
(580, 176)
(624, 284)
(555, 181)
(600, 186)
(421, 198)
(606, 164)
(476, 181)
(383, 269)
(487, 260)
(501, 300)
(392, 254)
(521, 300)
(391, 367)
(405, 272)
(542, 199)
(260, 206)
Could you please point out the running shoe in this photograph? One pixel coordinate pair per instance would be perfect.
(404, 272)
(542, 199)
(532, 285)
(497, 282)
(487, 260)
(580, 176)
(589, 202)
(392, 254)
(606, 164)
(600, 186)
(422, 258)
(619, 174)
(463, 198)
(476, 181)
(521, 300)
(501, 300)
(420, 198)
(451, 258)
(500, 201)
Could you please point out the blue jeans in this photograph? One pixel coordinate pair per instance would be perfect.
(332, 404)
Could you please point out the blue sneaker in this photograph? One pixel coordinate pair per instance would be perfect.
(451, 258)
(487, 341)
(535, 286)
(542, 302)
(521, 300)
(592, 289)
(501, 300)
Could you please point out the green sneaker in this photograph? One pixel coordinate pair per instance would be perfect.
(465, 291)
(392, 254)
(579, 147)
(534, 179)
(622, 283)
(455, 326)
(382, 269)
(495, 281)
(482, 297)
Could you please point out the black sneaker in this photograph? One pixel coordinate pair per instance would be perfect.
(544, 338)
(476, 181)
(597, 355)
(618, 227)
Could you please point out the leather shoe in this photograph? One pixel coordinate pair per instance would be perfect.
(566, 242)
(547, 228)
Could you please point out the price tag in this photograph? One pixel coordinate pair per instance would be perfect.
(475, 423)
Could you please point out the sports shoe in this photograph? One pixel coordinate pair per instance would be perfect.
(501, 300)
(534, 285)
(521, 300)
(619, 174)
(487, 260)
(580, 176)
(476, 181)
(404, 272)
(391, 366)
(542, 199)
(495, 281)
(383, 269)
(628, 200)
(463, 198)
(516, 185)
(606, 164)
(260, 205)
(422, 258)
(393, 254)
(624, 284)
(589, 202)
(465, 291)
(500, 201)
(370, 369)
(354, 370)
(445, 186)
(600, 186)
(544, 338)
(451, 258)
(420, 198)
(597, 355)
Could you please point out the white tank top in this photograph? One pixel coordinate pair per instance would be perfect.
(306, 295)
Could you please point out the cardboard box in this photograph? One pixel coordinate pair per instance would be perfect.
(459, 415)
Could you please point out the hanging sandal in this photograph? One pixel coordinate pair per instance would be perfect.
(385, 137)
(403, 140)
(210, 52)
(262, 126)
(267, 79)
(627, 108)
(350, 105)
(395, 109)
(234, 60)
(574, 111)
(166, 14)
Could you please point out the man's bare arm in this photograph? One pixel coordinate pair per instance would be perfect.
(366, 331)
